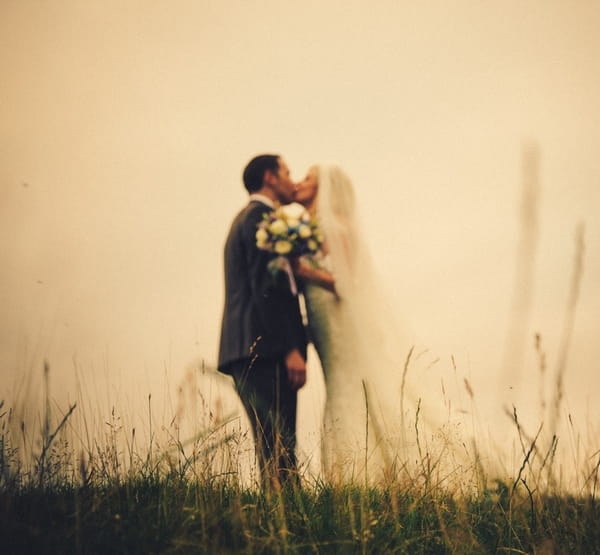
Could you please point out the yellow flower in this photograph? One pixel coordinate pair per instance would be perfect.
(261, 235)
(277, 227)
(283, 247)
(304, 231)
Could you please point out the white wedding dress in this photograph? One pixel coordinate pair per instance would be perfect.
(361, 348)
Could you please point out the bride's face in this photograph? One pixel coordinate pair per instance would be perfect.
(306, 190)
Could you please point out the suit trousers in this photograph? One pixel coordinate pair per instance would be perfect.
(270, 402)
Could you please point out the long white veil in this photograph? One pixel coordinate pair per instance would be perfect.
(377, 346)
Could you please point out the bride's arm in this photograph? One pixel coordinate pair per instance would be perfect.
(318, 276)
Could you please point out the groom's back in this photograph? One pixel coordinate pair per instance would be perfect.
(237, 332)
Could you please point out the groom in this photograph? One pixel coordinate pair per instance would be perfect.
(263, 342)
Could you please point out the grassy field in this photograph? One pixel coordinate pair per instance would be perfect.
(65, 489)
(174, 515)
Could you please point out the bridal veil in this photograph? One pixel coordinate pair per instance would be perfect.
(366, 387)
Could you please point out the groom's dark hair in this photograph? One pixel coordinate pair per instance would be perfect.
(254, 172)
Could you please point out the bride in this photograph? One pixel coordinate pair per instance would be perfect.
(361, 348)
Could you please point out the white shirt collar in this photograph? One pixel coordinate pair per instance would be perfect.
(262, 198)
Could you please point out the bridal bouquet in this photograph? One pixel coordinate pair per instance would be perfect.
(286, 232)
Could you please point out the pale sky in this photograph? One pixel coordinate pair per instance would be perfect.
(124, 128)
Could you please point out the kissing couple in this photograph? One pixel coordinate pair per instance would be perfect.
(264, 338)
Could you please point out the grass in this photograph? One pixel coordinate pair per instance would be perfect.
(67, 489)
(175, 515)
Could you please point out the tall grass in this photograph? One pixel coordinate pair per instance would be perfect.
(64, 488)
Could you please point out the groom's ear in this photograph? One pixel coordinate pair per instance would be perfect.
(268, 177)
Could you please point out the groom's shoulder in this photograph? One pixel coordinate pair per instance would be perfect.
(250, 215)
(252, 211)
(256, 207)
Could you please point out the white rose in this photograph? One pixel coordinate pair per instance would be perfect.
(293, 211)
(283, 247)
(312, 245)
(277, 227)
(304, 231)
(293, 223)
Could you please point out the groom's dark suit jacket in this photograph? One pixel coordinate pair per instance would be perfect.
(261, 315)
